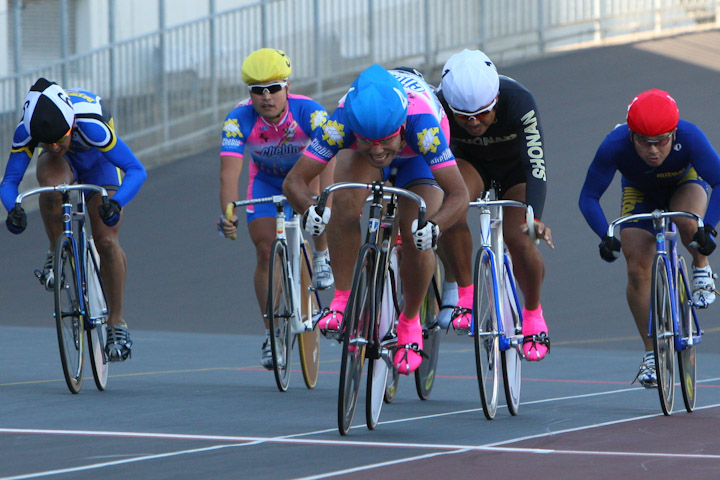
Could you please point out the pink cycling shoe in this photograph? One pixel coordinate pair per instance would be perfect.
(462, 315)
(330, 321)
(408, 355)
(536, 342)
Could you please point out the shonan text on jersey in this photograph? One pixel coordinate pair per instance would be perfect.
(274, 148)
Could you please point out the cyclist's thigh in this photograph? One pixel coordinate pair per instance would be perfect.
(262, 185)
(54, 169)
(474, 178)
(514, 217)
(638, 246)
(691, 196)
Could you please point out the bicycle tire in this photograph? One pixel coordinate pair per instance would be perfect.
(96, 317)
(359, 313)
(429, 310)
(68, 313)
(393, 380)
(687, 367)
(279, 311)
(662, 334)
(308, 342)
(379, 364)
(485, 332)
(511, 356)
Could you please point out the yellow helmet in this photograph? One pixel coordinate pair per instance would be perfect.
(265, 65)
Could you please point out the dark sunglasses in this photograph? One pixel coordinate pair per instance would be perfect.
(270, 88)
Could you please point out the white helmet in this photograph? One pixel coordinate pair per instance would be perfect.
(469, 81)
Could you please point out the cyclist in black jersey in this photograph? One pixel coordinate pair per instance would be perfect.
(496, 138)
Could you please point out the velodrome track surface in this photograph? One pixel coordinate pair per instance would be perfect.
(194, 403)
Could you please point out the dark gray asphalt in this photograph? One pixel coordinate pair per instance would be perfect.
(193, 402)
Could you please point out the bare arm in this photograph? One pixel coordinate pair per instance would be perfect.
(296, 186)
(230, 170)
(456, 196)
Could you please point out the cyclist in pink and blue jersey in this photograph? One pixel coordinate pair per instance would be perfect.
(669, 164)
(387, 119)
(77, 141)
(272, 128)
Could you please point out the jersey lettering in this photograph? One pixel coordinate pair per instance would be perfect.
(534, 145)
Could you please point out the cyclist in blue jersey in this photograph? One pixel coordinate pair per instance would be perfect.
(666, 163)
(272, 129)
(75, 137)
(387, 119)
(496, 135)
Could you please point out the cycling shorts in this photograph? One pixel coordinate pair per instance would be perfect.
(410, 171)
(104, 174)
(504, 174)
(264, 185)
(635, 200)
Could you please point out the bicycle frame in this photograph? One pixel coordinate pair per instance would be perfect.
(288, 231)
(493, 243)
(666, 245)
(78, 216)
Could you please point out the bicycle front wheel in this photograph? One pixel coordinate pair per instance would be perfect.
(96, 321)
(485, 333)
(279, 311)
(511, 357)
(359, 312)
(687, 369)
(68, 313)
(308, 342)
(429, 310)
(378, 353)
(663, 333)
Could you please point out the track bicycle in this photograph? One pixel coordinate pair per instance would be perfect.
(292, 302)
(497, 320)
(673, 323)
(80, 302)
(373, 306)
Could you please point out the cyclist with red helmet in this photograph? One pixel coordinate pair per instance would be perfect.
(387, 119)
(75, 136)
(666, 163)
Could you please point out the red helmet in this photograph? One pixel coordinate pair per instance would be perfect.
(653, 112)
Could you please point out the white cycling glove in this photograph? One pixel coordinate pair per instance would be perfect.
(313, 223)
(425, 238)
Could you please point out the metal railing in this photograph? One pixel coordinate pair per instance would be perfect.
(169, 90)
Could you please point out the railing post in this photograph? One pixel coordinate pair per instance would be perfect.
(17, 50)
(112, 71)
(429, 52)
(64, 33)
(316, 50)
(164, 94)
(214, 98)
(541, 26)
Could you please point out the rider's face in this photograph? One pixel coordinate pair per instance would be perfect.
(271, 106)
(60, 147)
(655, 149)
(381, 152)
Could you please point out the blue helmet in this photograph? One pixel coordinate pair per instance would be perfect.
(376, 104)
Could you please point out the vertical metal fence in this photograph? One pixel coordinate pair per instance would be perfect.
(170, 89)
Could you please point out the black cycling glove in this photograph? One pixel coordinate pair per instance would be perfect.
(16, 220)
(703, 240)
(609, 248)
(110, 213)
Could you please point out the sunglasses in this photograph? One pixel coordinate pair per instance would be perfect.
(62, 139)
(478, 114)
(369, 142)
(646, 142)
(270, 88)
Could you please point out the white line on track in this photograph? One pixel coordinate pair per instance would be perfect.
(449, 448)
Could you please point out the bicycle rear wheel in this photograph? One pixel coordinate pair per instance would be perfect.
(662, 334)
(359, 312)
(485, 333)
(68, 313)
(511, 356)
(96, 321)
(308, 342)
(687, 369)
(378, 353)
(429, 310)
(279, 311)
